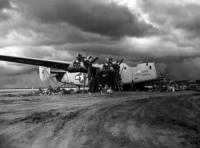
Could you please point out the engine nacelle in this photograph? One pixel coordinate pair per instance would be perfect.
(44, 73)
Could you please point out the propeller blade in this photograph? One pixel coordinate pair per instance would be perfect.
(80, 57)
(94, 60)
(89, 57)
(121, 61)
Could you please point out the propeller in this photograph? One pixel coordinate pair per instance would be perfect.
(88, 61)
(77, 64)
(112, 64)
(110, 71)
(80, 57)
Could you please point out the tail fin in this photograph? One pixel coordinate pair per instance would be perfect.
(44, 73)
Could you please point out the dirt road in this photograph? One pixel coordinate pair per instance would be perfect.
(120, 120)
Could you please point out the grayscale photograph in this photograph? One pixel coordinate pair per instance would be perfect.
(99, 74)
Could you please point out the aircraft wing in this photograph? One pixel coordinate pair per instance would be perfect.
(38, 62)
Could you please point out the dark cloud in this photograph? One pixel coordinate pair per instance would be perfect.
(61, 34)
(106, 19)
(187, 18)
(190, 20)
(188, 69)
(172, 15)
(4, 4)
(3, 16)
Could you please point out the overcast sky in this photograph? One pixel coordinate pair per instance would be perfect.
(137, 30)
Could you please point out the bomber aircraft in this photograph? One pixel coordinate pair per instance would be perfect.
(82, 71)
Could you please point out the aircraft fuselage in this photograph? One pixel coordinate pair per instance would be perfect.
(141, 73)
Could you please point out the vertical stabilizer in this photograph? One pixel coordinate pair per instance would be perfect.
(44, 73)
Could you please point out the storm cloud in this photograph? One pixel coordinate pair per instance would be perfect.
(4, 4)
(175, 15)
(98, 17)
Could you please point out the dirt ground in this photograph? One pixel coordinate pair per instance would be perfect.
(119, 120)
